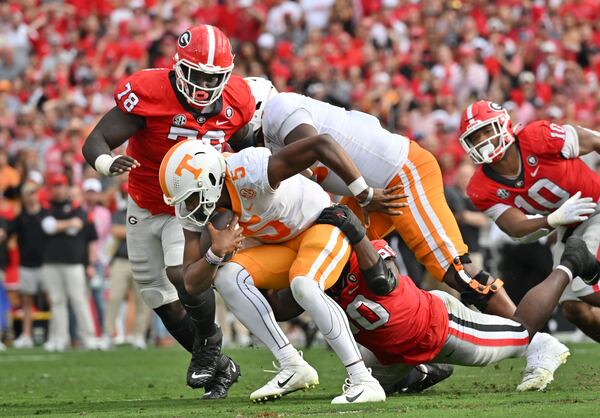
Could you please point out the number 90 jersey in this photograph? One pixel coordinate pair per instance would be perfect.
(169, 119)
(551, 173)
(409, 325)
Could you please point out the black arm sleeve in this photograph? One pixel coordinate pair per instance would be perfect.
(380, 280)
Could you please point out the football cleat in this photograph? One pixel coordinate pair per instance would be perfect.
(544, 355)
(228, 372)
(360, 392)
(577, 258)
(203, 365)
(289, 378)
(423, 376)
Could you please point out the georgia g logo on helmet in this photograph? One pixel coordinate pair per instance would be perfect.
(185, 39)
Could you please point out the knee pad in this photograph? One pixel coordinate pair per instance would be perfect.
(303, 287)
(157, 292)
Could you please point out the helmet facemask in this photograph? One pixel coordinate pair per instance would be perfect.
(486, 151)
(190, 78)
(198, 204)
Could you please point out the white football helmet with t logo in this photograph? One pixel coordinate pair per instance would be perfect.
(191, 177)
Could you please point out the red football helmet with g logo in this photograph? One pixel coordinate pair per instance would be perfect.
(203, 64)
(481, 115)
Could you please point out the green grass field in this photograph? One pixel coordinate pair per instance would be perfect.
(152, 383)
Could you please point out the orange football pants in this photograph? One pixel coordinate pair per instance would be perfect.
(320, 253)
(427, 225)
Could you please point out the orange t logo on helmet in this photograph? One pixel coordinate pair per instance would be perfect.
(185, 165)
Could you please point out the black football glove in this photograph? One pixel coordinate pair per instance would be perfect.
(342, 217)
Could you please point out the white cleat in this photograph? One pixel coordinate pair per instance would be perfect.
(360, 392)
(24, 341)
(290, 378)
(544, 355)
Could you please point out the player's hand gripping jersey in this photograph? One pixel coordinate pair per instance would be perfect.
(169, 119)
(408, 325)
(268, 215)
(551, 172)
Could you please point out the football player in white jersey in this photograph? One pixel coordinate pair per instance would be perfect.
(387, 161)
(278, 207)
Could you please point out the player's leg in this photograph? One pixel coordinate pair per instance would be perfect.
(430, 230)
(238, 281)
(200, 309)
(584, 314)
(117, 292)
(477, 339)
(145, 253)
(580, 302)
(322, 254)
(58, 338)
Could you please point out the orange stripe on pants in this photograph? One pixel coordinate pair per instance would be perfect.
(427, 224)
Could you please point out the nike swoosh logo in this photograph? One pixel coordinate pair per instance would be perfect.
(351, 399)
(233, 368)
(221, 122)
(449, 354)
(198, 376)
(534, 172)
(249, 208)
(352, 290)
(282, 384)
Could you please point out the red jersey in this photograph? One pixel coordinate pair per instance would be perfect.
(408, 326)
(169, 119)
(551, 173)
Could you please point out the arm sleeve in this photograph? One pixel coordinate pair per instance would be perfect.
(570, 148)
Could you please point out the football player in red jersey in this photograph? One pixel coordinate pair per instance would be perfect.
(410, 326)
(533, 181)
(199, 99)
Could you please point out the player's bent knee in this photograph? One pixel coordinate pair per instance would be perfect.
(303, 287)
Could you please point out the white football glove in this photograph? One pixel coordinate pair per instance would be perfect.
(575, 209)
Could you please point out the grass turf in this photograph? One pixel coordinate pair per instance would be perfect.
(125, 382)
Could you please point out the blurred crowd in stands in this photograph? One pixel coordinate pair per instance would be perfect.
(413, 64)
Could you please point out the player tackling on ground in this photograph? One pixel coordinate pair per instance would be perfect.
(537, 171)
(199, 99)
(412, 326)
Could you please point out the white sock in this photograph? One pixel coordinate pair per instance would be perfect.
(358, 372)
(288, 355)
(329, 318)
(246, 302)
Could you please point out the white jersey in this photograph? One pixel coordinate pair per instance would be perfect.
(266, 214)
(378, 153)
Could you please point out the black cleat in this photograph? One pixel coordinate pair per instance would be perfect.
(228, 372)
(582, 263)
(205, 354)
(423, 376)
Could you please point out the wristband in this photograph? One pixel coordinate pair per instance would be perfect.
(103, 163)
(358, 186)
(369, 198)
(213, 259)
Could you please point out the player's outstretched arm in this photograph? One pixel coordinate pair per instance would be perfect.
(589, 140)
(113, 130)
(575, 209)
